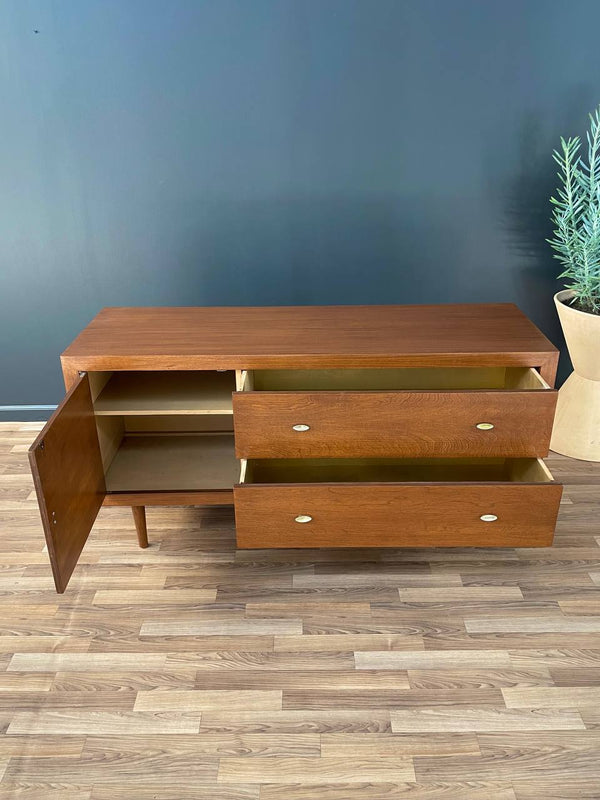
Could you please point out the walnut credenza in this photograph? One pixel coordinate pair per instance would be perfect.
(326, 426)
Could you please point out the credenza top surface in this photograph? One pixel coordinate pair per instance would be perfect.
(307, 336)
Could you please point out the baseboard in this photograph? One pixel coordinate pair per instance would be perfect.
(26, 413)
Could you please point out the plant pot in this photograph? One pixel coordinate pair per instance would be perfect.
(576, 431)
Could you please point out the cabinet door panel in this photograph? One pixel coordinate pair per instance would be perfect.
(69, 479)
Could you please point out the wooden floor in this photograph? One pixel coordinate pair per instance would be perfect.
(191, 671)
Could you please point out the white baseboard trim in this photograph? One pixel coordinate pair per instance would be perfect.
(28, 408)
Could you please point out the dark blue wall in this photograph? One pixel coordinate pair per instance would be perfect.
(183, 152)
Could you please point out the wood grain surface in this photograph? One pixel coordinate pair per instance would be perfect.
(191, 670)
(395, 515)
(411, 424)
(487, 334)
(69, 479)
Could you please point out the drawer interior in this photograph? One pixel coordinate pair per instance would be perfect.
(165, 430)
(348, 470)
(417, 378)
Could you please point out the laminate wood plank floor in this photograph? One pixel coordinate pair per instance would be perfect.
(190, 670)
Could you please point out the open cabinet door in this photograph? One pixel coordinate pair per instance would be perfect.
(69, 479)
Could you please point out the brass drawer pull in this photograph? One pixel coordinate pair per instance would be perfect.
(301, 427)
(488, 518)
(303, 518)
(484, 426)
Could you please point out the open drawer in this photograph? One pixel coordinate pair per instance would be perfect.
(469, 411)
(491, 502)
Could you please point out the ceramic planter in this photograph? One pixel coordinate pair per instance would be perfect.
(576, 431)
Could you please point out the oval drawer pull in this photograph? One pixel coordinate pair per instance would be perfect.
(488, 518)
(484, 426)
(303, 518)
(301, 427)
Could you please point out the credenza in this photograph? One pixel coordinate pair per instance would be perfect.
(325, 426)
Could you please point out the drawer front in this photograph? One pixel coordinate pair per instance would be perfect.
(396, 515)
(387, 424)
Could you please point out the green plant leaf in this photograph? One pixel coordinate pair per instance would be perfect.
(576, 215)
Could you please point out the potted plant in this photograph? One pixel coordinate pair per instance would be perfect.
(576, 217)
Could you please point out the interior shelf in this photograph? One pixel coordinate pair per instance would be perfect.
(169, 392)
(179, 462)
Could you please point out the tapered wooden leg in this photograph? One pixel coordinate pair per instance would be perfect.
(139, 517)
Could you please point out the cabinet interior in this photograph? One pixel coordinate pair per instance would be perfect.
(342, 470)
(168, 392)
(173, 430)
(165, 430)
